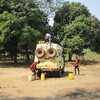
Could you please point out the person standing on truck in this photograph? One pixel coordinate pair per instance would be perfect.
(33, 68)
(76, 65)
(47, 37)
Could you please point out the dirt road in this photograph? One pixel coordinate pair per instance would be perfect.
(14, 85)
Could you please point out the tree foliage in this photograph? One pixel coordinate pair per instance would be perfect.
(10, 32)
(69, 11)
(66, 15)
(27, 10)
(21, 23)
(73, 45)
(95, 34)
(28, 39)
(77, 28)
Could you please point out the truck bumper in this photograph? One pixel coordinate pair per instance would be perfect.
(49, 69)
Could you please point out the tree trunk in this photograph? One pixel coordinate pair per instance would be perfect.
(11, 56)
(70, 57)
(27, 55)
(15, 58)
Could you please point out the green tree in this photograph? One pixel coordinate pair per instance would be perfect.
(69, 11)
(74, 20)
(28, 16)
(10, 32)
(87, 28)
(57, 33)
(94, 43)
(73, 46)
(27, 11)
(28, 39)
(80, 26)
(67, 14)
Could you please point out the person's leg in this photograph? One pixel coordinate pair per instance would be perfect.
(75, 70)
(35, 75)
(78, 70)
(31, 69)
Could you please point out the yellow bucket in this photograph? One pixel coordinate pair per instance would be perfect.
(42, 76)
(70, 76)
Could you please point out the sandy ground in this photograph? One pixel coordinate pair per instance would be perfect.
(14, 84)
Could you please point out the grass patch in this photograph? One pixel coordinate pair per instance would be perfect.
(92, 56)
(89, 56)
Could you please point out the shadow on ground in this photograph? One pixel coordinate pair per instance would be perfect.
(89, 62)
(14, 65)
(52, 75)
(10, 64)
(79, 94)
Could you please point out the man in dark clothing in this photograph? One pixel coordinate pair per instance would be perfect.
(33, 68)
(76, 65)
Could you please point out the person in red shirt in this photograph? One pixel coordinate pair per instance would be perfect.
(33, 68)
(76, 65)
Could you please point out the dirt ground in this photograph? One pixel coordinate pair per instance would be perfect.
(14, 84)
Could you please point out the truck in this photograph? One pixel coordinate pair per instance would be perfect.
(51, 58)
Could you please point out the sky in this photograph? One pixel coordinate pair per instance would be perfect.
(92, 5)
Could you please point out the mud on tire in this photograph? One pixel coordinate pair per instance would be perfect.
(39, 52)
(51, 52)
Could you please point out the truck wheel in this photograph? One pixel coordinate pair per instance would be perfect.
(59, 73)
(39, 74)
(62, 70)
(51, 52)
(39, 52)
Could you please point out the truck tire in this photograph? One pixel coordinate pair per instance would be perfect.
(59, 73)
(62, 70)
(51, 52)
(39, 74)
(39, 52)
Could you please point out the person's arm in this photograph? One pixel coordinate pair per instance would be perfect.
(35, 66)
(79, 62)
(74, 62)
(32, 65)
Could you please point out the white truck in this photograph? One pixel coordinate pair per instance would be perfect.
(51, 58)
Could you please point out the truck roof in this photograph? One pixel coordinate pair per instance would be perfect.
(48, 45)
